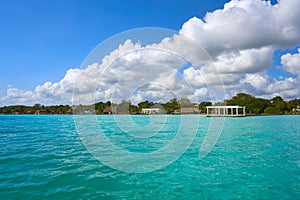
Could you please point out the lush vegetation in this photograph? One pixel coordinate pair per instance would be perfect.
(36, 109)
(255, 106)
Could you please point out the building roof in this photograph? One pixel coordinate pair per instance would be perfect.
(187, 111)
(151, 109)
(225, 106)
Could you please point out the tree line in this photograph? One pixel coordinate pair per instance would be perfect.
(254, 105)
(276, 105)
(36, 109)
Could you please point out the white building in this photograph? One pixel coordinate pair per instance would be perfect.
(226, 111)
(296, 109)
(152, 111)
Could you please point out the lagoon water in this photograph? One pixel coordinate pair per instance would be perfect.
(42, 157)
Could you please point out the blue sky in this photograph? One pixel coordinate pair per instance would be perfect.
(41, 40)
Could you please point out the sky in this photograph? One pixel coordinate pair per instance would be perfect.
(252, 44)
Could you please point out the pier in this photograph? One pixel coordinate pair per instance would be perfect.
(152, 111)
(226, 111)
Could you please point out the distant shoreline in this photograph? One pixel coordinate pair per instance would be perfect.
(253, 107)
(247, 115)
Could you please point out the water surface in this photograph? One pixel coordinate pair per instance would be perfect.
(255, 158)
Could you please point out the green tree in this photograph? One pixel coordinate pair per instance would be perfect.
(171, 106)
(108, 103)
(243, 99)
(144, 104)
(279, 104)
(202, 106)
(99, 107)
(259, 105)
(253, 105)
(36, 107)
(133, 109)
(293, 104)
(270, 110)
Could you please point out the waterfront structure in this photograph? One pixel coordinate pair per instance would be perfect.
(152, 111)
(296, 110)
(226, 111)
(192, 110)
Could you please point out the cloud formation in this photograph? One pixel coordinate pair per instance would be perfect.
(291, 62)
(246, 24)
(231, 49)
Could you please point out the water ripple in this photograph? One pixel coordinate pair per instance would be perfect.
(255, 157)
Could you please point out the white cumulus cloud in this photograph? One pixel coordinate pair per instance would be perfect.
(291, 62)
(231, 48)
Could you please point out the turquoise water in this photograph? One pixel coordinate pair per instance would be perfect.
(42, 157)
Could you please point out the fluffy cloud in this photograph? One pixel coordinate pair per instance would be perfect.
(56, 93)
(230, 50)
(244, 61)
(291, 62)
(247, 24)
(241, 39)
